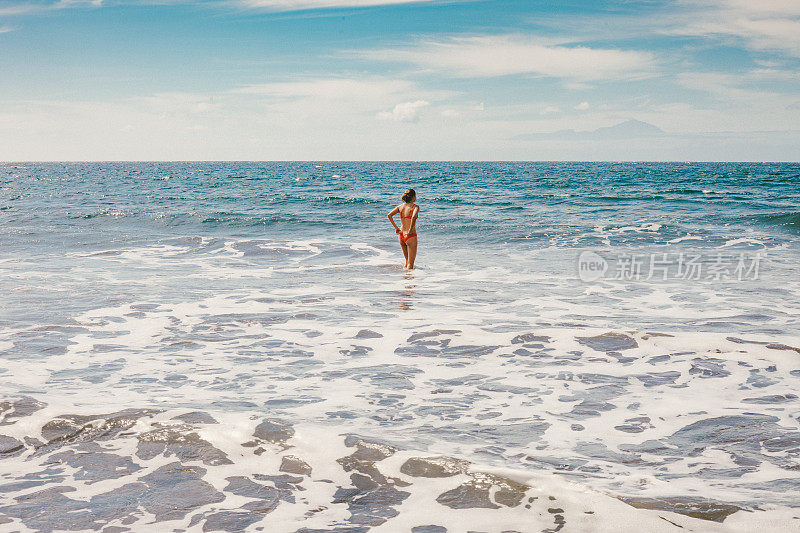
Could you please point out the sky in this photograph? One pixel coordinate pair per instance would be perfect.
(688, 80)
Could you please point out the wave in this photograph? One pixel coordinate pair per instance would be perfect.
(446, 200)
(789, 220)
(684, 191)
(338, 200)
(241, 219)
(632, 198)
(107, 212)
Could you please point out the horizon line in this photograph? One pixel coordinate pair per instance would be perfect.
(68, 161)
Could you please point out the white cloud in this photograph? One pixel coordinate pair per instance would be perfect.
(755, 87)
(18, 9)
(298, 5)
(762, 7)
(339, 100)
(62, 4)
(34, 7)
(583, 106)
(765, 34)
(176, 103)
(6, 29)
(368, 89)
(465, 111)
(266, 5)
(502, 55)
(405, 112)
(770, 25)
(240, 126)
(726, 87)
(549, 110)
(773, 74)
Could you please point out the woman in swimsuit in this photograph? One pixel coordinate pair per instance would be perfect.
(408, 219)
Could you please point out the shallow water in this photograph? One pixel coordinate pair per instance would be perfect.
(178, 330)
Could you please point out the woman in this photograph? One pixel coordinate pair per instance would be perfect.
(408, 220)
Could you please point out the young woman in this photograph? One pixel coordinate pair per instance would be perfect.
(408, 220)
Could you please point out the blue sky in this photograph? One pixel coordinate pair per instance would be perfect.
(380, 79)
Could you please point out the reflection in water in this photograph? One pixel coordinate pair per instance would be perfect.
(407, 296)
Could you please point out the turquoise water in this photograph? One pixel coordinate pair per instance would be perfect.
(273, 291)
(521, 203)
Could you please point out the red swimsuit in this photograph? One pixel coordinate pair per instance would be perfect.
(404, 238)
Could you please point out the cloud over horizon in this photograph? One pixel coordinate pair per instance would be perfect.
(486, 56)
(405, 111)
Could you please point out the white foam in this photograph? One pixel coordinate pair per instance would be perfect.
(227, 330)
(742, 240)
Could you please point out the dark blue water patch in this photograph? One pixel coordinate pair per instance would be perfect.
(188, 194)
(790, 221)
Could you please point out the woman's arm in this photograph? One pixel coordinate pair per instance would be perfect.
(391, 214)
(414, 214)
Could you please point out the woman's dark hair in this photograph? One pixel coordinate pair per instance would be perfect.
(409, 195)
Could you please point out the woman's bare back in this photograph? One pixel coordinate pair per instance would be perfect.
(407, 220)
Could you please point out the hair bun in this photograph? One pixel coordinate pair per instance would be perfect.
(409, 195)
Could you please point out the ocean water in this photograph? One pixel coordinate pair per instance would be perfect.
(231, 346)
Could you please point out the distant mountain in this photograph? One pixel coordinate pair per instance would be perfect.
(630, 129)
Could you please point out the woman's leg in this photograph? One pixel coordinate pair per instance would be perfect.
(411, 244)
(404, 246)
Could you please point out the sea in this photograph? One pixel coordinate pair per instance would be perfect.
(235, 346)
